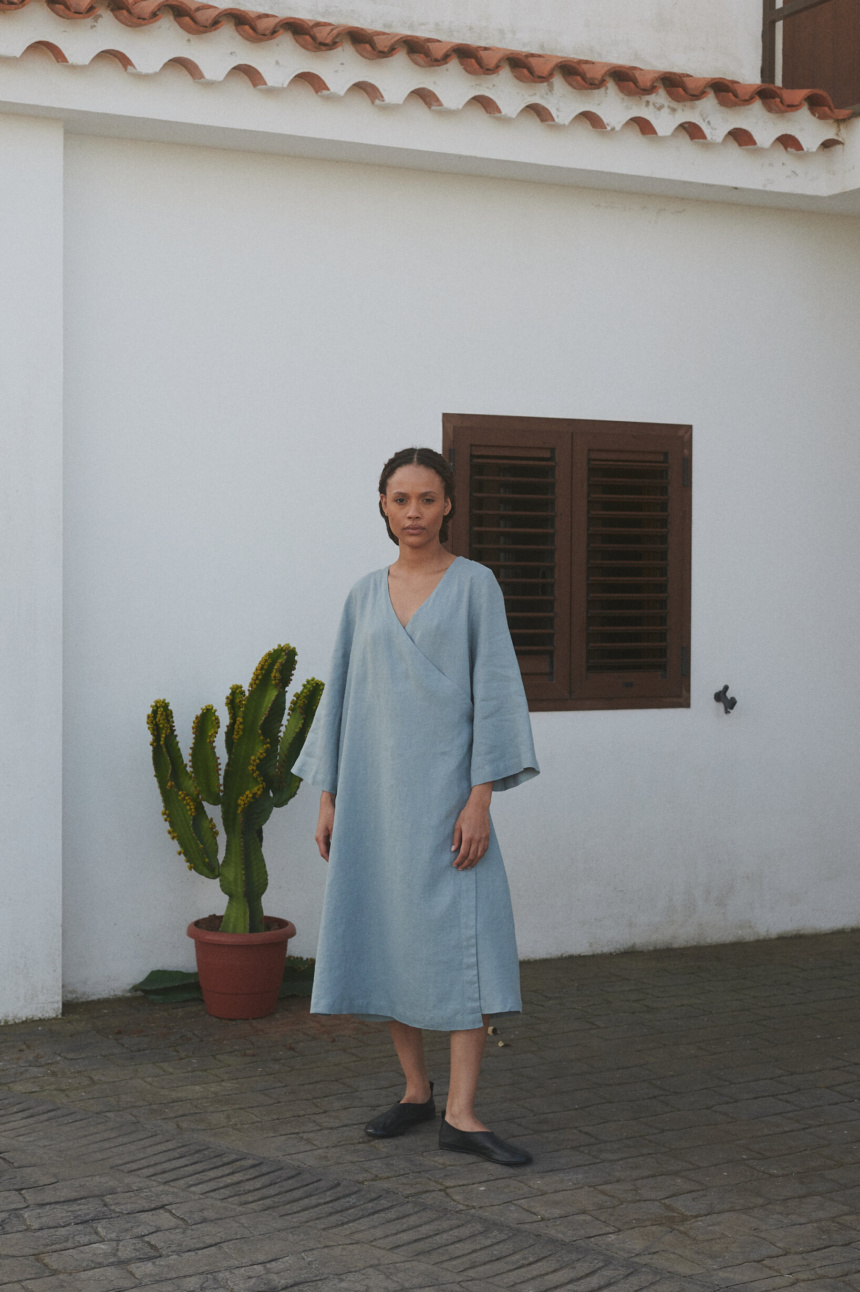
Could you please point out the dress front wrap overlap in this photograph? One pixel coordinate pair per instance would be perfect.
(410, 720)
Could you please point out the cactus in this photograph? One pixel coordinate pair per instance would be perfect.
(258, 777)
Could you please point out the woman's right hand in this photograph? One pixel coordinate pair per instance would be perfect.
(325, 824)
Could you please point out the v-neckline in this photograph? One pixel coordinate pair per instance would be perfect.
(429, 596)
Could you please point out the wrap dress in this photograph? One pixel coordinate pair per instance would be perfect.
(412, 718)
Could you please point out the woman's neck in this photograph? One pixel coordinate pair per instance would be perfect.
(423, 560)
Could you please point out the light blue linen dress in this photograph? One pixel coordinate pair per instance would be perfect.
(412, 718)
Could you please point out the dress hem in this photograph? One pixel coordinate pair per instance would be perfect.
(459, 1025)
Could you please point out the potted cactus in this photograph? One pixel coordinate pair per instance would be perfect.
(240, 955)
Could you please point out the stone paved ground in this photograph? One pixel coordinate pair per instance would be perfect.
(693, 1114)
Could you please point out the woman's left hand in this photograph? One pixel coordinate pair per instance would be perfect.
(472, 831)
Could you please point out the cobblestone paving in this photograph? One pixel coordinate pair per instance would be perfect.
(693, 1115)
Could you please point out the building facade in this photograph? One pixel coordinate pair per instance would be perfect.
(248, 257)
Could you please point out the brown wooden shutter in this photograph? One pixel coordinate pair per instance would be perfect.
(513, 515)
(586, 525)
(630, 567)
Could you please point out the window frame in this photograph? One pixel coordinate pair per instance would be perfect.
(571, 440)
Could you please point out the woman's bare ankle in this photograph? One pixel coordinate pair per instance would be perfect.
(417, 1092)
(463, 1120)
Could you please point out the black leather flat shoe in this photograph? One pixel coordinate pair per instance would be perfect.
(400, 1118)
(482, 1144)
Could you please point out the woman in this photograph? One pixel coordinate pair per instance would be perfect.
(422, 718)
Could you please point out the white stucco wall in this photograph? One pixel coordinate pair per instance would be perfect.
(31, 485)
(698, 36)
(249, 337)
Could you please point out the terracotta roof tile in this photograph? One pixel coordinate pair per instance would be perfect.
(197, 19)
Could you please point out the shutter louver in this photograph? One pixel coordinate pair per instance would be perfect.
(512, 508)
(627, 563)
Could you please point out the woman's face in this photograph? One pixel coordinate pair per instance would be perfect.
(415, 505)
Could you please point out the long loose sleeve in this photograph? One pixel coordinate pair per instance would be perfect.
(502, 746)
(319, 761)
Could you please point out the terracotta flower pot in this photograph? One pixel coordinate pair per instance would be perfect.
(240, 973)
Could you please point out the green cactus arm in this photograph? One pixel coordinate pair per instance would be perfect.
(266, 700)
(244, 880)
(290, 788)
(235, 703)
(258, 813)
(246, 801)
(266, 704)
(205, 767)
(249, 745)
(300, 715)
(287, 668)
(270, 730)
(283, 667)
(178, 813)
(187, 821)
(303, 707)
